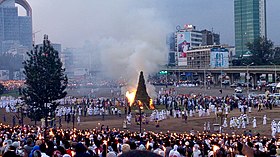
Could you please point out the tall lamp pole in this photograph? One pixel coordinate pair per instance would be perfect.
(140, 117)
(275, 74)
(204, 79)
(248, 77)
(166, 77)
(221, 78)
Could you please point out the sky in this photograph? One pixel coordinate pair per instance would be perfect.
(73, 22)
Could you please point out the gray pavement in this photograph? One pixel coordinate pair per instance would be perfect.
(106, 91)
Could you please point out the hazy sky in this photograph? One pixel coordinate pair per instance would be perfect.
(72, 22)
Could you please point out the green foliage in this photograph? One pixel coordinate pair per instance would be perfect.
(141, 93)
(45, 80)
(276, 58)
(2, 89)
(261, 52)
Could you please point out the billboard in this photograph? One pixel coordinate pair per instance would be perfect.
(219, 58)
(183, 45)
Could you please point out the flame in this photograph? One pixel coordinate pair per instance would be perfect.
(40, 137)
(215, 148)
(51, 133)
(151, 105)
(130, 96)
(147, 145)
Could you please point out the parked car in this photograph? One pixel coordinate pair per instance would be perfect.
(275, 95)
(238, 90)
(252, 95)
(226, 82)
(238, 96)
(271, 85)
(233, 85)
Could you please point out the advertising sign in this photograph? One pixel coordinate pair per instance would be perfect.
(183, 45)
(219, 58)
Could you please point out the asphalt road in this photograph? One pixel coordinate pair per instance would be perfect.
(106, 91)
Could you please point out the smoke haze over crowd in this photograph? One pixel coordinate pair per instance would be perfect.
(129, 35)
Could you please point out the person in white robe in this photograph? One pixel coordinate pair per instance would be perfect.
(208, 112)
(254, 122)
(7, 108)
(163, 114)
(239, 122)
(249, 109)
(174, 113)
(236, 122)
(80, 111)
(231, 123)
(273, 132)
(160, 116)
(208, 126)
(124, 124)
(243, 124)
(191, 113)
(225, 123)
(78, 120)
(273, 124)
(128, 117)
(179, 113)
(264, 120)
(90, 111)
(278, 127)
(226, 111)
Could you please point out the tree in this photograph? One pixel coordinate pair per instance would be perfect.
(45, 81)
(276, 57)
(2, 88)
(141, 93)
(261, 50)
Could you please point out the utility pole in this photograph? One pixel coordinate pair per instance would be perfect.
(204, 79)
(248, 77)
(221, 78)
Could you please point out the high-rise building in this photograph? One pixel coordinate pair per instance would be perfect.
(14, 29)
(210, 38)
(185, 39)
(250, 23)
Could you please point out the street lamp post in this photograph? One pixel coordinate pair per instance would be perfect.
(140, 119)
(21, 112)
(248, 77)
(166, 77)
(140, 115)
(204, 79)
(275, 74)
(221, 78)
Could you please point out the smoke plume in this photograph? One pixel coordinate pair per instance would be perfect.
(137, 44)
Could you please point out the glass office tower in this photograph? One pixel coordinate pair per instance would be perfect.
(250, 23)
(14, 29)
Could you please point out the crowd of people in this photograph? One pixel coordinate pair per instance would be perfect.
(34, 141)
(176, 106)
(39, 141)
(12, 84)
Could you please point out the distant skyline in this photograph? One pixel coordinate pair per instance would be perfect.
(75, 22)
